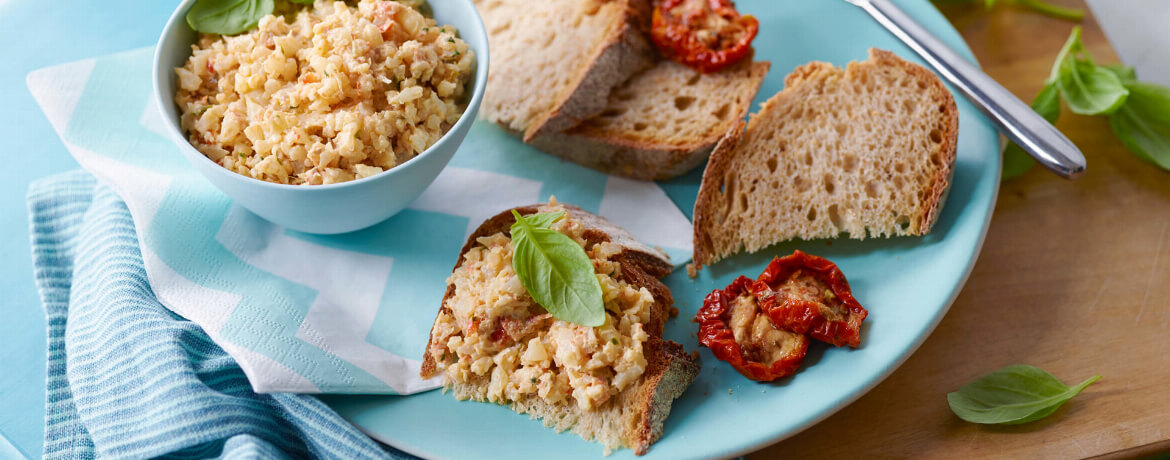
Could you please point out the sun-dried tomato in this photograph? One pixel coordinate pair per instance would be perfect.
(706, 35)
(738, 332)
(804, 293)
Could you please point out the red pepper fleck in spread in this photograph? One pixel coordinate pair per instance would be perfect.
(762, 327)
(707, 35)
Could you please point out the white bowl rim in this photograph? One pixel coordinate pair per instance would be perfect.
(178, 19)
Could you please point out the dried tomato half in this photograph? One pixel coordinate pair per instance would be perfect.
(732, 325)
(706, 35)
(808, 294)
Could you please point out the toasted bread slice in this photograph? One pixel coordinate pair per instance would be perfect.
(868, 150)
(631, 417)
(662, 122)
(552, 61)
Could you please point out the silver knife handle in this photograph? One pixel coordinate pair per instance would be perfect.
(1015, 118)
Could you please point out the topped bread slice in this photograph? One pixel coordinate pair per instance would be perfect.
(867, 150)
(662, 122)
(551, 59)
(614, 383)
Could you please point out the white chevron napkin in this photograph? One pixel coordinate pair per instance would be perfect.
(308, 313)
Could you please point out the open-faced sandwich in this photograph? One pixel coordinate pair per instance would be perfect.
(558, 314)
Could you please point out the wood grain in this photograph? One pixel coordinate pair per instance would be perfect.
(1073, 278)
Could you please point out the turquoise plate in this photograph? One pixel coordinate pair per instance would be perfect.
(906, 283)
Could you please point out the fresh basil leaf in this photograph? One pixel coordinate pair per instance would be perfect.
(1016, 162)
(1013, 395)
(1123, 72)
(1143, 123)
(1090, 90)
(556, 272)
(1047, 102)
(1087, 88)
(227, 17)
(1072, 46)
(544, 219)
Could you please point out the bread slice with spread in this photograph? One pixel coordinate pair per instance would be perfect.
(868, 151)
(614, 383)
(553, 61)
(662, 122)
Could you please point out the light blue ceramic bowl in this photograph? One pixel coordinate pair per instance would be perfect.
(334, 208)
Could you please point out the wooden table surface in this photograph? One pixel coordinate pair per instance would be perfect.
(1074, 277)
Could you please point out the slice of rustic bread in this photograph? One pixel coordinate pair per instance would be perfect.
(867, 150)
(662, 122)
(634, 418)
(551, 59)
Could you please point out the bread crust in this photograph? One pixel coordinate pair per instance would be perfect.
(641, 159)
(933, 192)
(641, 408)
(623, 53)
(703, 247)
(623, 158)
(938, 187)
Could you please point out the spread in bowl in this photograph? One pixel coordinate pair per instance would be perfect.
(325, 93)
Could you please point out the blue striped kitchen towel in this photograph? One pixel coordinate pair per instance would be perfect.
(308, 313)
(128, 378)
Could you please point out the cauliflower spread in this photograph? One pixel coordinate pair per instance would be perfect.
(326, 93)
(492, 328)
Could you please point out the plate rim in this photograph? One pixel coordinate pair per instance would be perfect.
(765, 441)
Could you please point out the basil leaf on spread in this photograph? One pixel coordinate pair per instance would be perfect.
(227, 17)
(1013, 395)
(544, 219)
(555, 270)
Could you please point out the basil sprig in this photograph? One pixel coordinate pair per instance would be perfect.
(1013, 395)
(1139, 113)
(555, 270)
(228, 17)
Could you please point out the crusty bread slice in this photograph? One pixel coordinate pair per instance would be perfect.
(634, 418)
(551, 59)
(662, 122)
(867, 150)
